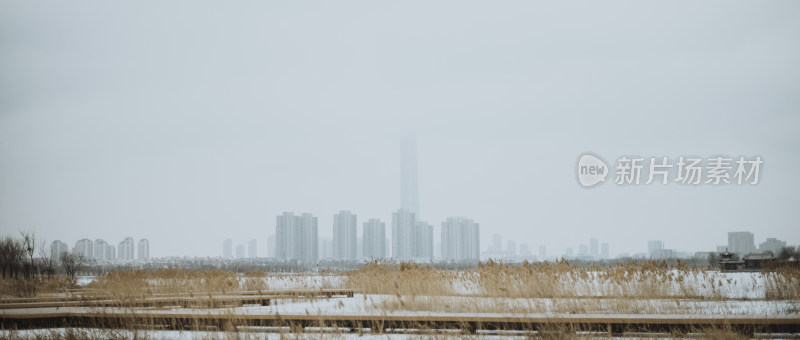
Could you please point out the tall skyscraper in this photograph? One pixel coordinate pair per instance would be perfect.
(741, 243)
(345, 236)
(227, 249)
(604, 250)
(373, 239)
(252, 249)
(306, 239)
(424, 241)
(542, 252)
(144, 249)
(297, 237)
(409, 197)
(284, 227)
(460, 240)
(404, 235)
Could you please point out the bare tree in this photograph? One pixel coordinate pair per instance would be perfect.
(29, 249)
(12, 257)
(48, 261)
(71, 264)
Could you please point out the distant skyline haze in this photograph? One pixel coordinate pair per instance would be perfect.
(196, 122)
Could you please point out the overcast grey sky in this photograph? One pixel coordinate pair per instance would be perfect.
(187, 122)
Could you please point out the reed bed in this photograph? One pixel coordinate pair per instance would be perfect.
(562, 279)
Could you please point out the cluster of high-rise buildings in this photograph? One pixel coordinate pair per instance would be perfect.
(103, 251)
(296, 238)
(228, 250)
(595, 250)
(411, 239)
(743, 243)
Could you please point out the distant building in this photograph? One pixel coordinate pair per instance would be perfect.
(460, 240)
(345, 236)
(730, 262)
(240, 251)
(511, 248)
(741, 243)
(252, 249)
(655, 248)
(569, 252)
(583, 250)
(100, 249)
(57, 248)
(497, 244)
(374, 239)
(424, 241)
(404, 235)
(144, 249)
(125, 249)
(594, 251)
(604, 251)
(542, 252)
(297, 237)
(85, 248)
(772, 245)
(751, 262)
(110, 253)
(524, 251)
(227, 248)
(326, 248)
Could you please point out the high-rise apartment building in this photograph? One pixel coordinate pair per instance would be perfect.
(373, 239)
(57, 248)
(144, 249)
(741, 243)
(772, 245)
(125, 249)
(404, 235)
(460, 240)
(227, 248)
(424, 241)
(84, 248)
(345, 236)
(252, 249)
(240, 251)
(297, 237)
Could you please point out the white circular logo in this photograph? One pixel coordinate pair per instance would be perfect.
(591, 170)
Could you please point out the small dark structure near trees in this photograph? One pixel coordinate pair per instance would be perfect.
(730, 262)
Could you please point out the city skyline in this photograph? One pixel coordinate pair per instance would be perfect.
(127, 124)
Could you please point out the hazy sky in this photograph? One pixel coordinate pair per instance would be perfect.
(187, 122)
